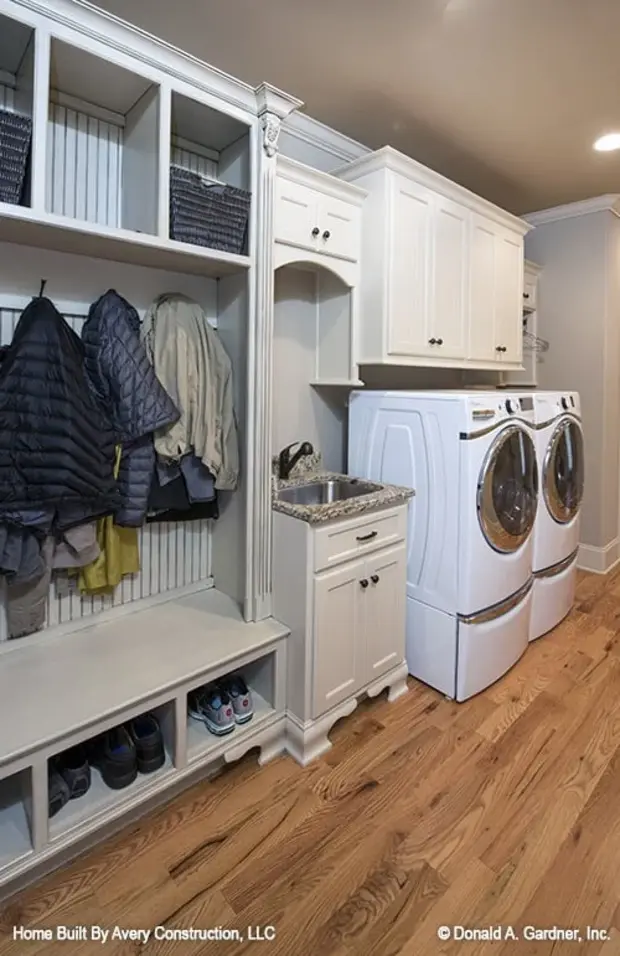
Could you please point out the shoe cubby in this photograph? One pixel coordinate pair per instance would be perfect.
(16, 107)
(209, 187)
(15, 818)
(259, 676)
(119, 775)
(103, 142)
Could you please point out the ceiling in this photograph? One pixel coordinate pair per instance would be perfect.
(503, 96)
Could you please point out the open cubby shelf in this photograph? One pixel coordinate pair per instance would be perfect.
(211, 640)
(103, 157)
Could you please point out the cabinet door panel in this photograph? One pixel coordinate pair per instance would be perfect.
(340, 224)
(483, 279)
(450, 309)
(338, 651)
(411, 209)
(509, 296)
(383, 611)
(296, 214)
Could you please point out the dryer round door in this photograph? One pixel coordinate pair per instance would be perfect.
(563, 471)
(508, 490)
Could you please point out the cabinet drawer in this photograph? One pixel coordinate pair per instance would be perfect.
(345, 540)
(340, 224)
(295, 215)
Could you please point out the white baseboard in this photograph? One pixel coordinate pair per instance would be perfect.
(599, 560)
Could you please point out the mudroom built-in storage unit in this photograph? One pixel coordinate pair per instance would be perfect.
(146, 173)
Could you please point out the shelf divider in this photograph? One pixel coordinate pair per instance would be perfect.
(40, 113)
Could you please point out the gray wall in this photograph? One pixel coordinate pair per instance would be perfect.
(578, 314)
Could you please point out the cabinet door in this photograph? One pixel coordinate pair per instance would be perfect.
(340, 223)
(482, 282)
(509, 295)
(338, 650)
(383, 611)
(450, 305)
(411, 210)
(296, 214)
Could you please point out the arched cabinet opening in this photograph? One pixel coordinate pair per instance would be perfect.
(313, 357)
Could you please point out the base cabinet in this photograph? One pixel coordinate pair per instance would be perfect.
(346, 612)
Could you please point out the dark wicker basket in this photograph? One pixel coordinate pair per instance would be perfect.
(208, 214)
(15, 139)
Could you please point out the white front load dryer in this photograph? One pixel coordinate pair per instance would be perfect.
(560, 457)
(471, 460)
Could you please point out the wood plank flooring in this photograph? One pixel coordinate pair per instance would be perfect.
(501, 811)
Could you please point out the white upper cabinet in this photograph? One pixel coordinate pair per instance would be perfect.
(446, 284)
(316, 212)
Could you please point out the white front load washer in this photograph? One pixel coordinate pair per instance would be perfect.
(471, 460)
(560, 457)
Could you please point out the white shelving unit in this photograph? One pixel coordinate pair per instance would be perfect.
(210, 639)
(112, 109)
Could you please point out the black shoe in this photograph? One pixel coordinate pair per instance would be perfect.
(58, 793)
(114, 755)
(75, 771)
(147, 738)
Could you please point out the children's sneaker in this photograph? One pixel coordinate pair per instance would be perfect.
(240, 695)
(214, 707)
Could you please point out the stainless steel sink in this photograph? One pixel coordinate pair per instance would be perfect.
(326, 492)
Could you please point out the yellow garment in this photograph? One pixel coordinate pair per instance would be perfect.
(118, 556)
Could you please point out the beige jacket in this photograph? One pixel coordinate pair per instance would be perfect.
(194, 368)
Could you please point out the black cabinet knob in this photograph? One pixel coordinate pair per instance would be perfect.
(374, 578)
(326, 234)
(526, 295)
(316, 231)
(364, 583)
(498, 348)
(504, 349)
(432, 341)
(439, 341)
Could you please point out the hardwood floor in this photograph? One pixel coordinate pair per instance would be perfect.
(504, 810)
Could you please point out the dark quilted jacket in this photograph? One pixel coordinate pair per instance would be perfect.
(54, 436)
(123, 377)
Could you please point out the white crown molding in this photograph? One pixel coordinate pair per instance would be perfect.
(307, 130)
(389, 158)
(532, 267)
(608, 203)
(316, 179)
(83, 18)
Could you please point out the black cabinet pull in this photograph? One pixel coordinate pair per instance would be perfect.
(316, 231)
(367, 537)
(526, 295)
(364, 583)
(326, 234)
(432, 341)
(374, 578)
(439, 341)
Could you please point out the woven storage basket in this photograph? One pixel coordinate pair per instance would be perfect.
(15, 138)
(208, 214)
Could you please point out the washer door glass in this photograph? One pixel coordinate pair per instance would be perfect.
(508, 490)
(563, 471)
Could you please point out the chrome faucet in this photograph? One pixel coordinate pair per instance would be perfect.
(286, 461)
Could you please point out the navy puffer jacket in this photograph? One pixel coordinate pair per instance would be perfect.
(123, 377)
(55, 436)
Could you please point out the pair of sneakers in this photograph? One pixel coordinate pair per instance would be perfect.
(222, 705)
(68, 778)
(123, 752)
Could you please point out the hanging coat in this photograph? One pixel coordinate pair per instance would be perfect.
(55, 438)
(122, 376)
(193, 366)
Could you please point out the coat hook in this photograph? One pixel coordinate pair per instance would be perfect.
(42, 290)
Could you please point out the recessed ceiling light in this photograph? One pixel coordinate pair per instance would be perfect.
(605, 144)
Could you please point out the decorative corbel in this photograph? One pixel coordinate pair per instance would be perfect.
(270, 125)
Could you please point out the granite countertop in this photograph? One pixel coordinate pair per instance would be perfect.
(309, 469)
